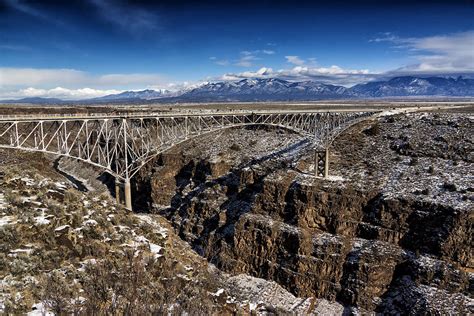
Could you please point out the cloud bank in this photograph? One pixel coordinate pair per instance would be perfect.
(451, 53)
(69, 84)
(58, 92)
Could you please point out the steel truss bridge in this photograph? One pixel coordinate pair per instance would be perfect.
(122, 144)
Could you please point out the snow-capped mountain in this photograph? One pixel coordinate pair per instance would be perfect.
(415, 86)
(263, 90)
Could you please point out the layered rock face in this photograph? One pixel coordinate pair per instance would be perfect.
(390, 232)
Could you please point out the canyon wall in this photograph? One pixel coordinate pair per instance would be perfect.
(392, 233)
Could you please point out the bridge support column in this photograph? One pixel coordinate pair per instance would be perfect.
(128, 194)
(321, 163)
(117, 191)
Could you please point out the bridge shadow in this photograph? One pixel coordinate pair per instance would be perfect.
(190, 205)
(76, 182)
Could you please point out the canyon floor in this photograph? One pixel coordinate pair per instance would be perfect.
(234, 222)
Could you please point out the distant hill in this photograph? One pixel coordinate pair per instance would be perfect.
(35, 100)
(274, 89)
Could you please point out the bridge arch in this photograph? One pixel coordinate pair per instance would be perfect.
(178, 142)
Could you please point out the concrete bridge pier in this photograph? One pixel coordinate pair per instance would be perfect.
(123, 196)
(321, 163)
(128, 194)
(118, 191)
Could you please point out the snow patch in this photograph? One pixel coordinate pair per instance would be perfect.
(41, 220)
(3, 202)
(60, 185)
(7, 220)
(60, 228)
(155, 249)
(39, 309)
(27, 251)
(218, 293)
(90, 222)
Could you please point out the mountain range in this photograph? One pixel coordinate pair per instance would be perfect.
(273, 89)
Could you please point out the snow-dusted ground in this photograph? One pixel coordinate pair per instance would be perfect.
(406, 180)
(261, 293)
(37, 204)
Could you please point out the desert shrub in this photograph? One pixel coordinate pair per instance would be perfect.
(235, 147)
(373, 130)
(71, 197)
(59, 294)
(413, 161)
(137, 284)
(17, 303)
(451, 187)
(13, 197)
(120, 285)
(8, 236)
(431, 170)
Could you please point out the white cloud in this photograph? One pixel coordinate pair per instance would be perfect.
(246, 59)
(127, 79)
(247, 53)
(58, 92)
(261, 73)
(34, 76)
(14, 47)
(220, 62)
(223, 62)
(332, 70)
(26, 9)
(440, 54)
(71, 78)
(295, 60)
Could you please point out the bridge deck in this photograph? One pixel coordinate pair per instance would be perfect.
(95, 116)
(116, 114)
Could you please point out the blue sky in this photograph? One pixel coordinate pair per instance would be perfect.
(95, 47)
